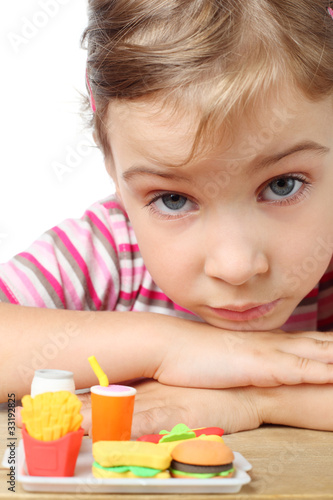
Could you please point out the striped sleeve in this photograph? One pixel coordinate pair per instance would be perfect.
(315, 311)
(75, 265)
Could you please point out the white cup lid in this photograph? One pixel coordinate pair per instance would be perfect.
(54, 374)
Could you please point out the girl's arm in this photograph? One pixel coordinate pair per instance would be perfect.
(171, 350)
(238, 409)
(127, 345)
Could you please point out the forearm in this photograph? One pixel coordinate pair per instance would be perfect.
(127, 345)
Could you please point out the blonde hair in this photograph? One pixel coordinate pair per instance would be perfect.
(218, 56)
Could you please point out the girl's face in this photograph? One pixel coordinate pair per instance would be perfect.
(241, 235)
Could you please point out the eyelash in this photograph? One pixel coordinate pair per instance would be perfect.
(302, 192)
(152, 208)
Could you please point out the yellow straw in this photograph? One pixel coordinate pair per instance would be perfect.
(102, 377)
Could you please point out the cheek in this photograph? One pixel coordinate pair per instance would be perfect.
(169, 255)
(305, 253)
(164, 253)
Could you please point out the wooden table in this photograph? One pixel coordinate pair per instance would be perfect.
(288, 464)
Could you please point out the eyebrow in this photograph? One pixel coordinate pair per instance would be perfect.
(305, 146)
(141, 170)
(266, 162)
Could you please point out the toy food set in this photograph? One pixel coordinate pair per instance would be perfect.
(202, 459)
(112, 408)
(51, 433)
(181, 460)
(119, 459)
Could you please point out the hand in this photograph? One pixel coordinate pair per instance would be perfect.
(222, 359)
(159, 406)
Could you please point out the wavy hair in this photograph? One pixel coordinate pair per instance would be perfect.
(213, 56)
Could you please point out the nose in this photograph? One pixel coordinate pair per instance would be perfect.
(235, 253)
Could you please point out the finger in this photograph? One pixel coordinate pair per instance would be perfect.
(313, 335)
(18, 418)
(310, 348)
(308, 371)
(153, 420)
(290, 369)
(86, 422)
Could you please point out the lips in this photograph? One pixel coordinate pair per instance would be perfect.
(245, 312)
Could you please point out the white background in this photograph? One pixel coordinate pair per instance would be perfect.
(42, 73)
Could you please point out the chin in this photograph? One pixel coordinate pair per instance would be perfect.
(259, 325)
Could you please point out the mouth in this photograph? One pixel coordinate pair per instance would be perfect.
(245, 312)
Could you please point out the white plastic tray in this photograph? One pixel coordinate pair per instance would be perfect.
(84, 482)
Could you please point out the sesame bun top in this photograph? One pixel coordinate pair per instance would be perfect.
(202, 453)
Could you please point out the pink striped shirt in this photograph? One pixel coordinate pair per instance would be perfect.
(94, 263)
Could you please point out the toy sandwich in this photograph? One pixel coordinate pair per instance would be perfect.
(130, 459)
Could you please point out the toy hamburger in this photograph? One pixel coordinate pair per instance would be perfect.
(202, 460)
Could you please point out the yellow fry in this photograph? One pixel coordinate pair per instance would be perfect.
(56, 432)
(61, 415)
(53, 421)
(47, 434)
(38, 435)
(73, 398)
(27, 402)
(36, 430)
(56, 398)
(66, 424)
(37, 403)
(47, 400)
(45, 418)
(76, 423)
(37, 420)
(70, 407)
(55, 410)
(30, 428)
(69, 413)
(61, 397)
(26, 415)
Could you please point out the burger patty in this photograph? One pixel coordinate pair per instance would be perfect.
(200, 469)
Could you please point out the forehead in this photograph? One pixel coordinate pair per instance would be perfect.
(147, 128)
(164, 134)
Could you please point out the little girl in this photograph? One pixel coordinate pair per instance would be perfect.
(209, 272)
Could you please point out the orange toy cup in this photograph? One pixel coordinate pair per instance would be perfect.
(112, 412)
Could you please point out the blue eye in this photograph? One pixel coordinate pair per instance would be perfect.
(173, 201)
(284, 187)
(171, 205)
